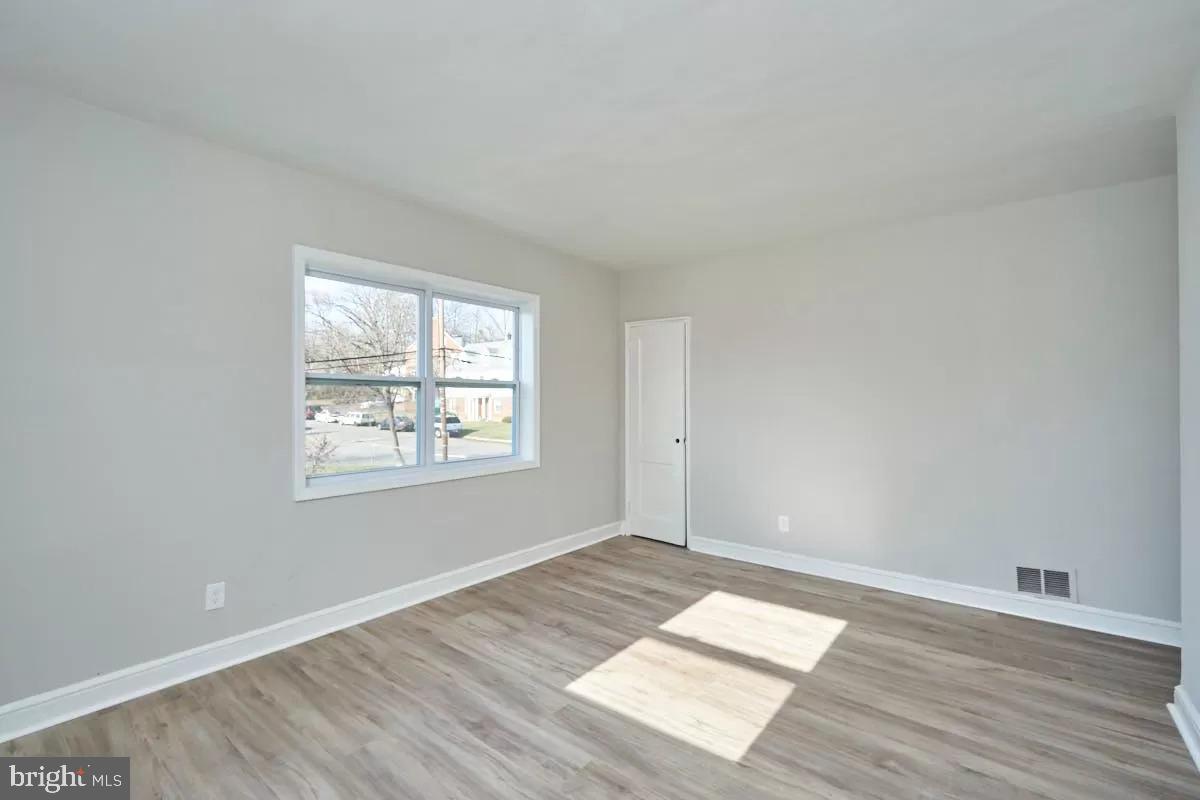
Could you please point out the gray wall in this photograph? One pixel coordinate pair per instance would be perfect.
(145, 331)
(948, 398)
(1188, 137)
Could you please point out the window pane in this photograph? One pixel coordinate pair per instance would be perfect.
(472, 341)
(359, 428)
(362, 330)
(479, 423)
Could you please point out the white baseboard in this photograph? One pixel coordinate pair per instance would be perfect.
(1118, 623)
(1187, 719)
(59, 705)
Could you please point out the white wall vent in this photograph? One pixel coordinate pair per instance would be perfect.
(1055, 583)
(1029, 579)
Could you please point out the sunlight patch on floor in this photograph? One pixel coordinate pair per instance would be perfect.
(709, 703)
(785, 636)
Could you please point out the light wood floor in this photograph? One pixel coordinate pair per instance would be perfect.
(558, 681)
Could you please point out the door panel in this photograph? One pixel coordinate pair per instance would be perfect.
(656, 380)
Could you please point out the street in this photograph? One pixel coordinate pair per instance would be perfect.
(353, 448)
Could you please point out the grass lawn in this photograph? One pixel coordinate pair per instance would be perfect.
(488, 430)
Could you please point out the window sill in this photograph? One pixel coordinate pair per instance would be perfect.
(357, 483)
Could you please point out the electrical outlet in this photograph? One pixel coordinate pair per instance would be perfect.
(785, 524)
(214, 596)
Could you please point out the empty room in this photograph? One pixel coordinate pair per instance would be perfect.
(669, 399)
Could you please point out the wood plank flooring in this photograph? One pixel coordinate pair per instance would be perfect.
(637, 670)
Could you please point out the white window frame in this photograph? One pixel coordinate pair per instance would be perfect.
(428, 285)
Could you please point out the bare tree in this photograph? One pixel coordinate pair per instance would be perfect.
(317, 452)
(470, 323)
(363, 330)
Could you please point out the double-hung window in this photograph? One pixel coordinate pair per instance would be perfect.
(406, 377)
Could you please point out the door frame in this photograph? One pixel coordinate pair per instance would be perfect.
(687, 419)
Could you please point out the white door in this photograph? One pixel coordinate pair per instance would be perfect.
(656, 438)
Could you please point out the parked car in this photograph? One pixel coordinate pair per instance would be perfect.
(358, 418)
(403, 423)
(325, 415)
(454, 426)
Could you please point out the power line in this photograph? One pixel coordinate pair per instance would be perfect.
(461, 355)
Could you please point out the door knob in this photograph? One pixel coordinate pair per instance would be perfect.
(676, 441)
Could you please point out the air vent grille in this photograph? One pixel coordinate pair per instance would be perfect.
(1056, 583)
(1029, 579)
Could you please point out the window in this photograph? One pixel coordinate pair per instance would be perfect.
(406, 377)
(474, 366)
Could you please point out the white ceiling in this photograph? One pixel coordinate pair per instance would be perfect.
(646, 132)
